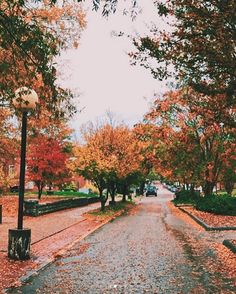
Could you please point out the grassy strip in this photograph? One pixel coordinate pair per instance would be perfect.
(183, 201)
(119, 207)
(70, 194)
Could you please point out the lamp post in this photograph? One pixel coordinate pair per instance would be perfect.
(20, 238)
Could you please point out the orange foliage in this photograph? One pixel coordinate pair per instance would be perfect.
(193, 136)
(111, 150)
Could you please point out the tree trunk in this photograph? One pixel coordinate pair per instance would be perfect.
(113, 196)
(142, 185)
(112, 191)
(192, 188)
(229, 186)
(40, 189)
(124, 193)
(102, 199)
(208, 188)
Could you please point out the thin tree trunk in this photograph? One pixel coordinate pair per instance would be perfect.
(40, 190)
(208, 188)
(142, 185)
(112, 192)
(192, 188)
(102, 199)
(229, 186)
(124, 193)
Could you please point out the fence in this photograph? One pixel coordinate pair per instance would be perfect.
(33, 208)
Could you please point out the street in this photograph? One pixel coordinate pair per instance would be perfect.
(150, 251)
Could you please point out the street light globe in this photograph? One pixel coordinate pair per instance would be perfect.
(25, 99)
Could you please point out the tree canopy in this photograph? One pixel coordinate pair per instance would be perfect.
(200, 45)
(32, 33)
(189, 143)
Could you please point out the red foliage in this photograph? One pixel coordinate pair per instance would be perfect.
(47, 161)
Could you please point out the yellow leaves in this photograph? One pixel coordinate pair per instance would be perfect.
(81, 16)
(75, 44)
(110, 149)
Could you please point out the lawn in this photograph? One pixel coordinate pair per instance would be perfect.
(70, 194)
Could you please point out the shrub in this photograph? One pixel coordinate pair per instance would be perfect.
(186, 196)
(223, 204)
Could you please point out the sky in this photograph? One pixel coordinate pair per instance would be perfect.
(99, 71)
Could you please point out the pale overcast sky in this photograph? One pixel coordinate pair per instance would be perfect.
(100, 69)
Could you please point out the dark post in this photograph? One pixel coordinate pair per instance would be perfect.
(19, 239)
(22, 171)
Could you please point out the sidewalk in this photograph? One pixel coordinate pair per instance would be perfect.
(51, 233)
(44, 225)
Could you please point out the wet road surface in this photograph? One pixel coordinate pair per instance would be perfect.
(152, 251)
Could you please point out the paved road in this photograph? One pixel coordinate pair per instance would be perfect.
(152, 251)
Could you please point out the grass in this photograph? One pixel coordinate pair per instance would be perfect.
(120, 206)
(223, 192)
(68, 194)
(184, 201)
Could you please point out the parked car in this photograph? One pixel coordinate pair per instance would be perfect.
(151, 191)
(14, 189)
(173, 189)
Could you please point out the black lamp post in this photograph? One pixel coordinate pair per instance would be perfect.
(20, 238)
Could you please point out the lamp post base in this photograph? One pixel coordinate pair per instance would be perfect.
(19, 244)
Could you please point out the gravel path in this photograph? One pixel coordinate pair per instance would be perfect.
(152, 251)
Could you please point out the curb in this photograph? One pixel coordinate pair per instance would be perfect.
(184, 205)
(204, 225)
(229, 245)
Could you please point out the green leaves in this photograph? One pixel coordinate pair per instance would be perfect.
(200, 46)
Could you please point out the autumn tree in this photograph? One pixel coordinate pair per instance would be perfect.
(8, 147)
(109, 155)
(189, 142)
(31, 36)
(147, 165)
(127, 157)
(200, 46)
(46, 164)
(49, 150)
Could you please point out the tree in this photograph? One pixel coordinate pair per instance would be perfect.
(47, 163)
(8, 147)
(109, 155)
(189, 143)
(110, 6)
(200, 46)
(229, 179)
(31, 35)
(147, 164)
(124, 184)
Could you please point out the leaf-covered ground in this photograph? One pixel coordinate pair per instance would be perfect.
(214, 220)
(227, 257)
(51, 247)
(155, 250)
(56, 245)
